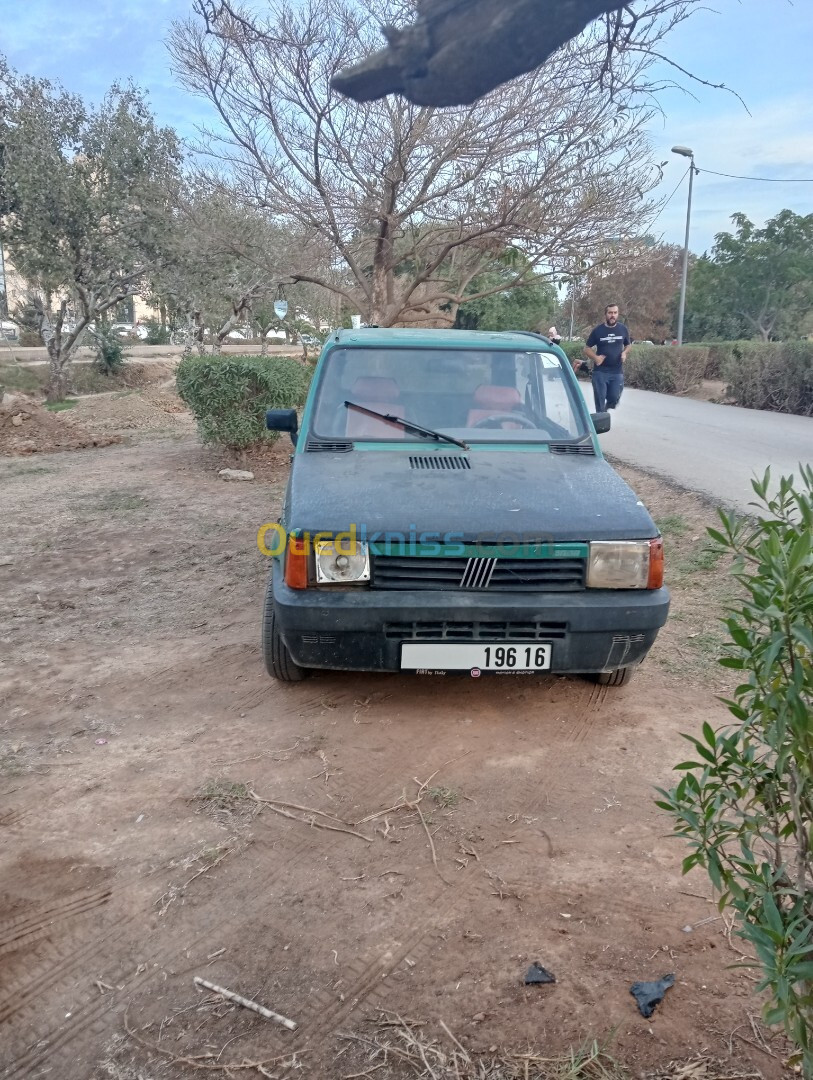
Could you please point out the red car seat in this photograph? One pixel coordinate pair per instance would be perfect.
(381, 395)
(493, 399)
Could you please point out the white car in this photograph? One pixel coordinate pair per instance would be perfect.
(9, 330)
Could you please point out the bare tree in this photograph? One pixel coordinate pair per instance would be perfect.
(415, 202)
(643, 279)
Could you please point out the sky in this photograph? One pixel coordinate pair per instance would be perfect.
(759, 48)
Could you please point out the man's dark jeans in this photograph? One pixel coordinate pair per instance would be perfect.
(607, 389)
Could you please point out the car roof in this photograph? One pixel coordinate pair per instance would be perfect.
(397, 337)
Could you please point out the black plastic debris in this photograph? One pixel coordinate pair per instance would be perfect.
(650, 994)
(537, 974)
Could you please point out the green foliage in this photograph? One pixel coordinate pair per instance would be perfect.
(757, 283)
(157, 334)
(525, 307)
(665, 368)
(744, 803)
(771, 375)
(84, 202)
(30, 339)
(573, 350)
(109, 351)
(721, 353)
(230, 394)
(17, 377)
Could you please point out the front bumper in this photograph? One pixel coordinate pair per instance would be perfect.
(357, 629)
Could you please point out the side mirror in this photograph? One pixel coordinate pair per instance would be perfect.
(601, 422)
(283, 420)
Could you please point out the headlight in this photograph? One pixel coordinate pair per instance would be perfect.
(341, 561)
(625, 564)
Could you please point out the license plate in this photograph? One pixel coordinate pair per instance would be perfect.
(445, 656)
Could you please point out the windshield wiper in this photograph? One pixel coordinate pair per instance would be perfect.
(407, 425)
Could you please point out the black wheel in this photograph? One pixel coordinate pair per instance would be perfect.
(278, 662)
(620, 677)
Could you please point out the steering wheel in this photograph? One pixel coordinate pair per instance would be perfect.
(497, 419)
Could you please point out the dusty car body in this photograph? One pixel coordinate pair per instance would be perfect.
(449, 509)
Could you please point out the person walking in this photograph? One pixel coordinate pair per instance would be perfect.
(607, 347)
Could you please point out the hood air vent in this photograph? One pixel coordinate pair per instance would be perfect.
(573, 448)
(337, 446)
(439, 462)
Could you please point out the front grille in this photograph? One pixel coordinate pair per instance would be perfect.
(505, 575)
(439, 462)
(573, 448)
(533, 630)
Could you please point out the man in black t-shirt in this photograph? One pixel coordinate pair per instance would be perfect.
(607, 347)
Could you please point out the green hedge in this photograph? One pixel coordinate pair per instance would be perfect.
(229, 394)
(665, 369)
(773, 375)
(573, 350)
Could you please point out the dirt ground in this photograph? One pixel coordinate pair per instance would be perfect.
(136, 719)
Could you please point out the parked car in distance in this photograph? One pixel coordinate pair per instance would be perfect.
(449, 509)
(311, 341)
(9, 330)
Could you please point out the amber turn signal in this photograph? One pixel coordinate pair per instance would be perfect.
(296, 563)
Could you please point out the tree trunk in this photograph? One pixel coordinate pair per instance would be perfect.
(379, 292)
(58, 374)
(263, 341)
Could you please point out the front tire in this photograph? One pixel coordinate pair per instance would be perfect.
(278, 662)
(620, 677)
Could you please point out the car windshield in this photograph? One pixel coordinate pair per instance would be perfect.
(472, 395)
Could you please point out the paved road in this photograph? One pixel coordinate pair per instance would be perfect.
(713, 449)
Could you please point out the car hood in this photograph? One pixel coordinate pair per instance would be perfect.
(567, 497)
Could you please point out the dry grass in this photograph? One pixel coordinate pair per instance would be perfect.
(402, 1047)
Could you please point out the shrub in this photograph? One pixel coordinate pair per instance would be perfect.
(745, 805)
(573, 350)
(157, 334)
(665, 368)
(30, 339)
(108, 348)
(229, 394)
(777, 376)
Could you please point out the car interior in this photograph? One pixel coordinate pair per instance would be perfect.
(472, 391)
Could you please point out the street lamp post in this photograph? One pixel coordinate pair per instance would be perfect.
(684, 151)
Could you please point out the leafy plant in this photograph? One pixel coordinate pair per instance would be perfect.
(157, 334)
(771, 375)
(665, 368)
(745, 802)
(108, 348)
(230, 394)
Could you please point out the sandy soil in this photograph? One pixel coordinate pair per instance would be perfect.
(135, 718)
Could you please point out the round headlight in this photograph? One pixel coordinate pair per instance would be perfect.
(338, 561)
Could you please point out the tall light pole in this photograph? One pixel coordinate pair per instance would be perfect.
(684, 151)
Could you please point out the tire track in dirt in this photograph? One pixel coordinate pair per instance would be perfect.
(369, 977)
(370, 783)
(372, 786)
(89, 1012)
(26, 929)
